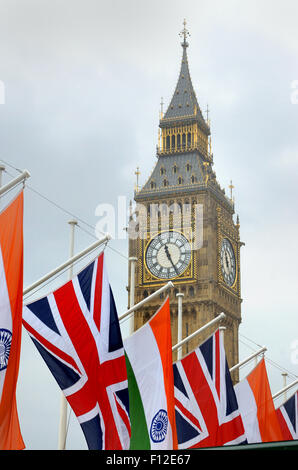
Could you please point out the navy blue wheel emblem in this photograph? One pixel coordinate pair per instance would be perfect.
(5, 343)
(159, 426)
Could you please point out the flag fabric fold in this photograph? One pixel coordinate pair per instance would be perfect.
(287, 415)
(76, 330)
(257, 408)
(207, 413)
(11, 300)
(150, 381)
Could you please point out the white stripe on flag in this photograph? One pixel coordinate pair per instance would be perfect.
(249, 411)
(5, 318)
(144, 356)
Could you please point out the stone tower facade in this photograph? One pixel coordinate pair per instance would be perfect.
(183, 228)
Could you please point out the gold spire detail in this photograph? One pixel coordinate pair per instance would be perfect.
(206, 164)
(184, 33)
(137, 173)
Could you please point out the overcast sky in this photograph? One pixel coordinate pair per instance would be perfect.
(83, 83)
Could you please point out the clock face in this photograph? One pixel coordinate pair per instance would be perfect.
(228, 262)
(168, 255)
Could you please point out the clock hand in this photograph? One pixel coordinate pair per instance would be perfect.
(170, 259)
(227, 260)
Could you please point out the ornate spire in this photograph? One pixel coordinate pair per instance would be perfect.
(184, 33)
(184, 104)
(137, 173)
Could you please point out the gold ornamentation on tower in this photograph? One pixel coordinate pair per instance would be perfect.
(181, 185)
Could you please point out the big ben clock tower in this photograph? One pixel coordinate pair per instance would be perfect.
(184, 225)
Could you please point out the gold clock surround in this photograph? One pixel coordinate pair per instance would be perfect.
(226, 230)
(146, 278)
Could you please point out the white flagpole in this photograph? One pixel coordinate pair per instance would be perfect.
(249, 358)
(179, 295)
(284, 375)
(2, 168)
(133, 261)
(200, 330)
(67, 264)
(147, 299)
(285, 389)
(63, 402)
(22, 177)
(222, 333)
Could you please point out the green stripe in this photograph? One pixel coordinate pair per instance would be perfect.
(139, 433)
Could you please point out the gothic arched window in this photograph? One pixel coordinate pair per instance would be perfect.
(191, 291)
(168, 142)
(189, 139)
(173, 141)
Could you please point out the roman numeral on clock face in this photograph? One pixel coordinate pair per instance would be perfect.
(168, 255)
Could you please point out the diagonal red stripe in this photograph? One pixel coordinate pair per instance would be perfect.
(61, 354)
(99, 375)
(216, 338)
(201, 391)
(123, 415)
(188, 415)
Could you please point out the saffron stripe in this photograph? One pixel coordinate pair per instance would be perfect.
(160, 324)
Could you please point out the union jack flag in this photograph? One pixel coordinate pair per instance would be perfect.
(287, 415)
(76, 330)
(206, 407)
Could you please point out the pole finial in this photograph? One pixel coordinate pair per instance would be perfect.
(161, 108)
(231, 186)
(184, 33)
(208, 115)
(137, 173)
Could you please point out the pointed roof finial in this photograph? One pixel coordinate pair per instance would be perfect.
(161, 108)
(207, 115)
(231, 190)
(184, 33)
(137, 173)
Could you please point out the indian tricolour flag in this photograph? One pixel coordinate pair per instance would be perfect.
(11, 300)
(256, 406)
(151, 384)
